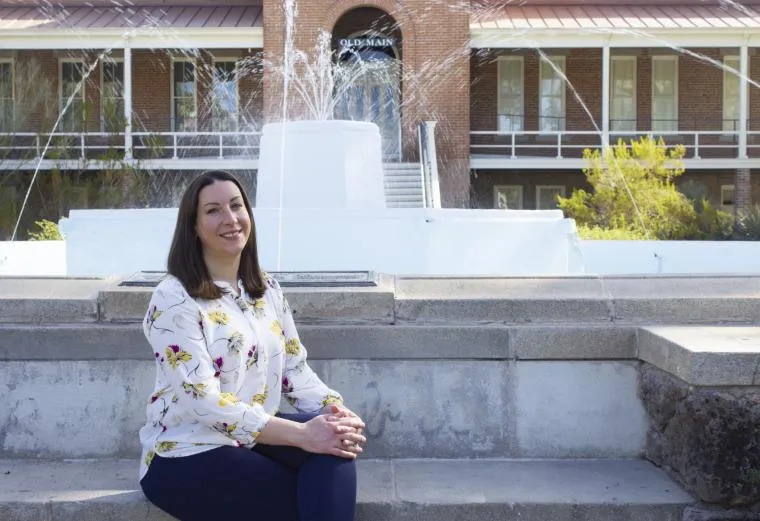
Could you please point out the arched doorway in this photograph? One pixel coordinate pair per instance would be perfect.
(367, 46)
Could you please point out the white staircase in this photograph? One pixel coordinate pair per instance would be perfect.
(403, 185)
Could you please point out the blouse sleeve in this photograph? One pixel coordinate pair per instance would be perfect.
(174, 328)
(300, 384)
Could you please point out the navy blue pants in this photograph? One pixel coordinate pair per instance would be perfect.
(268, 483)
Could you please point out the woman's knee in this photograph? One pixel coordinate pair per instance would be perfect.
(332, 467)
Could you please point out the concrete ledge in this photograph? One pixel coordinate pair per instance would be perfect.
(118, 341)
(342, 306)
(704, 356)
(49, 300)
(634, 299)
(406, 342)
(49, 311)
(73, 342)
(124, 304)
(573, 342)
(390, 490)
(310, 305)
(502, 301)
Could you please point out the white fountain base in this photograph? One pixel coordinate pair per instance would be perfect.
(395, 241)
(328, 177)
(320, 164)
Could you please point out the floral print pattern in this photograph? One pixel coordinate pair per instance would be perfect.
(217, 361)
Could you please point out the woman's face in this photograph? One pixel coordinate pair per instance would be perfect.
(223, 224)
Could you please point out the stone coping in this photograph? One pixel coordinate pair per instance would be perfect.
(699, 355)
(704, 356)
(644, 300)
(327, 342)
(388, 490)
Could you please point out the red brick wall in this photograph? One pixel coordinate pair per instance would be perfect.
(151, 91)
(38, 106)
(251, 89)
(483, 182)
(151, 88)
(700, 96)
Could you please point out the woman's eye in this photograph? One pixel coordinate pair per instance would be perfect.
(211, 210)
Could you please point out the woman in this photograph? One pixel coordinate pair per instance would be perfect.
(227, 350)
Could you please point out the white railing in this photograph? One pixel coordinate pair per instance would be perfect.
(571, 143)
(145, 145)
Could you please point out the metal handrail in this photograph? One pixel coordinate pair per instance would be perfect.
(167, 143)
(693, 141)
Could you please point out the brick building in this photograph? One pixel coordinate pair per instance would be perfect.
(516, 91)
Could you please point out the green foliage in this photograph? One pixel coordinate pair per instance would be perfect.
(48, 231)
(748, 224)
(595, 233)
(753, 476)
(634, 194)
(712, 224)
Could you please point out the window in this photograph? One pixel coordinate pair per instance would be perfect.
(731, 86)
(9, 202)
(224, 102)
(112, 97)
(664, 93)
(183, 96)
(510, 94)
(727, 198)
(6, 95)
(546, 196)
(508, 197)
(72, 88)
(551, 89)
(623, 93)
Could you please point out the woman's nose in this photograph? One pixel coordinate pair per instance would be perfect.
(229, 215)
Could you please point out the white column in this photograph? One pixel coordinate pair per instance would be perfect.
(127, 102)
(605, 96)
(743, 101)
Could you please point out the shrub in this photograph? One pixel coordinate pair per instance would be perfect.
(595, 233)
(48, 231)
(748, 224)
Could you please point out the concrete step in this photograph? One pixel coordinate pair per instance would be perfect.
(618, 300)
(403, 185)
(389, 490)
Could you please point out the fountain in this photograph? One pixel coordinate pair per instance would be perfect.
(328, 164)
(319, 191)
(320, 204)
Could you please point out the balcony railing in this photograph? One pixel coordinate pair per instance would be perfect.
(84, 146)
(570, 144)
(552, 141)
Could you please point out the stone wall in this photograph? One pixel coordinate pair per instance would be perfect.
(707, 438)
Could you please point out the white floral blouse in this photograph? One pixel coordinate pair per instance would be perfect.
(222, 367)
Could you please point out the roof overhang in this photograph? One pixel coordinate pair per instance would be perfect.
(481, 38)
(636, 25)
(156, 27)
(119, 38)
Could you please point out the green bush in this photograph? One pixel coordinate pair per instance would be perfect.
(634, 189)
(48, 231)
(634, 196)
(595, 233)
(748, 224)
(713, 224)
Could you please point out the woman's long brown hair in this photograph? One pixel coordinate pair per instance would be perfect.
(186, 253)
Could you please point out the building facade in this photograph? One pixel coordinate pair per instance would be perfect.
(517, 92)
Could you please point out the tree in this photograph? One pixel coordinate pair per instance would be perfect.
(634, 190)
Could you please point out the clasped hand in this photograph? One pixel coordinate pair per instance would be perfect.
(336, 431)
